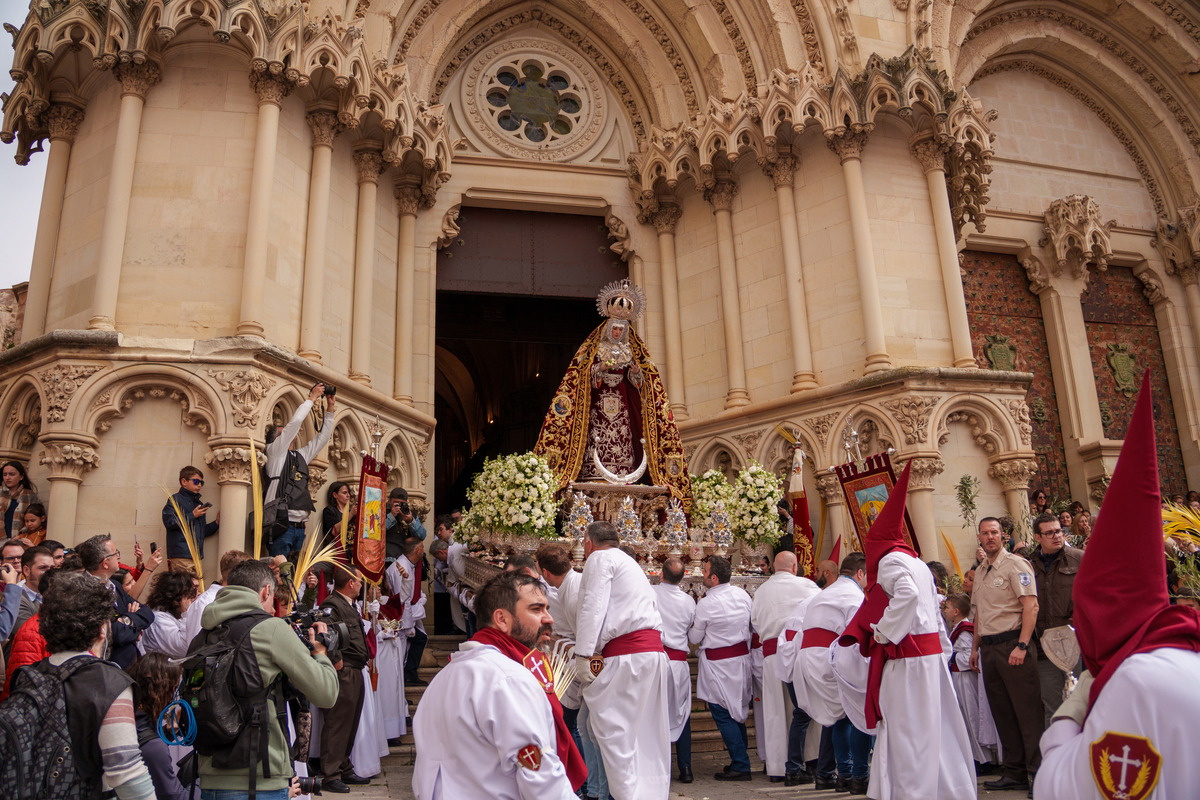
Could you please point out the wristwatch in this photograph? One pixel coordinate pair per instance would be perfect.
(1023, 646)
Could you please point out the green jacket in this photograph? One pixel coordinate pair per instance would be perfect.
(278, 650)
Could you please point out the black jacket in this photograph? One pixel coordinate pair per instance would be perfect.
(176, 544)
(353, 651)
(127, 627)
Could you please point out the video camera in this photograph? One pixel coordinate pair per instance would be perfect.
(310, 785)
(301, 621)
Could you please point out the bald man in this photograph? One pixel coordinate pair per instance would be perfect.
(783, 726)
(827, 573)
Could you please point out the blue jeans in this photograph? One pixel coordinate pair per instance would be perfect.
(826, 763)
(289, 540)
(683, 746)
(734, 734)
(571, 718)
(597, 780)
(852, 749)
(796, 734)
(238, 794)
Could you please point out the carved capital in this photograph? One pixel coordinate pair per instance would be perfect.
(782, 171)
(316, 479)
(930, 154)
(246, 392)
(665, 217)
(912, 413)
(1098, 488)
(369, 164)
(232, 464)
(408, 199)
(1019, 411)
(324, 126)
(1015, 474)
(68, 460)
(721, 195)
(64, 122)
(831, 490)
(923, 471)
(1190, 275)
(60, 383)
(848, 146)
(1075, 234)
(136, 79)
(269, 87)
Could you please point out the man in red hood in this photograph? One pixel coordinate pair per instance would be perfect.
(1129, 729)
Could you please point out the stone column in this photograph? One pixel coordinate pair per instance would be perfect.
(324, 126)
(1191, 287)
(1014, 476)
(271, 89)
(782, 174)
(64, 122)
(932, 156)
(920, 504)
(721, 197)
(370, 165)
(232, 465)
(664, 222)
(68, 456)
(408, 198)
(849, 147)
(835, 506)
(136, 80)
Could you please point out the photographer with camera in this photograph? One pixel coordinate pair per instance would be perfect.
(339, 724)
(401, 523)
(179, 557)
(286, 501)
(240, 617)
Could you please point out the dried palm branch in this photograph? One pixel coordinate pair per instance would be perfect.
(310, 555)
(189, 535)
(561, 659)
(785, 433)
(1181, 523)
(953, 556)
(256, 497)
(345, 527)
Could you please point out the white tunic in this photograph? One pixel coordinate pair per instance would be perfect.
(678, 609)
(1152, 696)
(564, 608)
(816, 688)
(478, 715)
(850, 671)
(923, 752)
(391, 650)
(723, 619)
(628, 699)
(457, 616)
(774, 603)
(404, 586)
(966, 686)
(167, 635)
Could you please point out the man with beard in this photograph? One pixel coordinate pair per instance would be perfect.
(489, 724)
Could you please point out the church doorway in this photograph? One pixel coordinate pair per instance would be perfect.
(516, 297)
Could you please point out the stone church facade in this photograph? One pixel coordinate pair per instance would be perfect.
(967, 226)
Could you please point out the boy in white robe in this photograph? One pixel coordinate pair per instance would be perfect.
(966, 682)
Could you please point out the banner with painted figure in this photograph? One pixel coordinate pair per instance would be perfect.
(866, 490)
(370, 543)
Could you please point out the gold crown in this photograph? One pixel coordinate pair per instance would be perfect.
(621, 300)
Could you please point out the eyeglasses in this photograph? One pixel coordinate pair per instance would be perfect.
(14, 560)
(198, 481)
(113, 554)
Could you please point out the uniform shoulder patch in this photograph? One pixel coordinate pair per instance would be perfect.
(530, 757)
(1124, 767)
(1025, 578)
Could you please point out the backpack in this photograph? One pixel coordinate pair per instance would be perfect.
(36, 758)
(223, 685)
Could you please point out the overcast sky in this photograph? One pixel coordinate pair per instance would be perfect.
(20, 187)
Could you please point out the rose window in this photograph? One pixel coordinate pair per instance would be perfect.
(534, 102)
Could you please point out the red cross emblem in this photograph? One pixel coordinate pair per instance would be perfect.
(536, 662)
(530, 757)
(1124, 767)
(596, 663)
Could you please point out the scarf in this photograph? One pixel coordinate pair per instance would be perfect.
(535, 662)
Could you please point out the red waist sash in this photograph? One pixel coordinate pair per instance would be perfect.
(755, 642)
(729, 651)
(917, 645)
(675, 655)
(791, 634)
(818, 637)
(911, 646)
(647, 640)
(770, 647)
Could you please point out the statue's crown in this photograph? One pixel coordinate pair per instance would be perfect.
(621, 300)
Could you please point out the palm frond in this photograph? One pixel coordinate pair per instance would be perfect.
(562, 666)
(787, 435)
(345, 527)
(1181, 523)
(256, 497)
(953, 555)
(189, 535)
(310, 555)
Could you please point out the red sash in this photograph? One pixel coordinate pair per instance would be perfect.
(755, 642)
(417, 583)
(791, 634)
(922, 644)
(770, 647)
(393, 608)
(730, 651)
(673, 654)
(966, 626)
(647, 640)
(818, 637)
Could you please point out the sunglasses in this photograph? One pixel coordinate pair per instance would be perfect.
(197, 481)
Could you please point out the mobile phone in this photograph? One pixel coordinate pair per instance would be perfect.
(153, 548)
(206, 506)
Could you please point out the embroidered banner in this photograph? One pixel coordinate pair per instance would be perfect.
(866, 491)
(369, 540)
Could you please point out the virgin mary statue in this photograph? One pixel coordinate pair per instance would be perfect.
(610, 420)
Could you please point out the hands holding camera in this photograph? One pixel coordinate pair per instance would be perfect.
(318, 647)
(400, 510)
(330, 394)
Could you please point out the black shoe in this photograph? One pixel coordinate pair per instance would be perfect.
(1005, 782)
(685, 775)
(727, 768)
(985, 769)
(857, 785)
(733, 776)
(355, 780)
(797, 779)
(395, 742)
(843, 784)
(335, 786)
(777, 779)
(825, 784)
(415, 681)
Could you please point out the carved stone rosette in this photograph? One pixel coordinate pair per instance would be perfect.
(232, 464)
(923, 471)
(1014, 474)
(246, 392)
(912, 413)
(60, 383)
(68, 460)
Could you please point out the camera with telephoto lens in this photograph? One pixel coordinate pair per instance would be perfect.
(309, 785)
(301, 621)
(330, 390)
(405, 508)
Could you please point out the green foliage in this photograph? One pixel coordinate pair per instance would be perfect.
(965, 491)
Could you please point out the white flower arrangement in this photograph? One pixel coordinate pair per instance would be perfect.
(513, 494)
(707, 490)
(752, 513)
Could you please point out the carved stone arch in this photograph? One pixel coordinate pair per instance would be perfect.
(993, 429)
(349, 439)
(111, 397)
(718, 453)
(21, 416)
(393, 456)
(775, 452)
(414, 461)
(876, 429)
(177, 17)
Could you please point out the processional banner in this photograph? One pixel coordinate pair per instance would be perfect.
(802, 532)
(370, 544)
(866, 490)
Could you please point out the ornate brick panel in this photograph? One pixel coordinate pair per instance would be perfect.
(1007, 332)
(1123, 334)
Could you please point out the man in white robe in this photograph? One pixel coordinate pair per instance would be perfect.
(406, 571)
(391, 645)
(783, 726)
(678, 609)
(621, 663)
(722, 631)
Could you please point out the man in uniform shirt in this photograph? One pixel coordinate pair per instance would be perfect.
(678, 610)
(1005, 606)
(621, 663)
(722, 630)
(774, 603)
(339, 724)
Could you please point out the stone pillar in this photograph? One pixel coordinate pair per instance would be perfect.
(271, 89)
(136, 80)
(664, 222)
(1191, 287)
(920, 504)
(721, 196)
(324, 126)
(1014, 475)
(849, 147)
(782, 174)
(408, 198)
(232, 465)
(64, 122)
(68, 456)
(932, 156)
(370, 165)
(835, 506)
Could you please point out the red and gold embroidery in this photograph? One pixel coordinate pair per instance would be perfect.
(1124, 767)
(530, 757)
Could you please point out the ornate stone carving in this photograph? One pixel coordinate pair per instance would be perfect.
(422, 452)
(739, 44)
(1000, 352)
(339, 451)
(1014, 474)
(1039, 281)
(782, 171)
(848, 145)
(665, 217)
(268, 86)
(821, 426)
(1177, 16)
(137, 78)
(1152, 287)
(923, 471)
(748, 441)
(60, 383)
(63, 122)
(1098, 488)
(370, 164)
(1019, 411)
(232, 464)
(450, 229)
(1075, 233)
(831, 490)
(408, 200)
(316, 479)
(246, 392)
(324, 126)
(689, 450)
(69, 459)
(808, 32)
(845, 31)
(619, 233)
(912, 413)
(931, 155)
(976, 430)
(721, 195)
(1121, 362)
